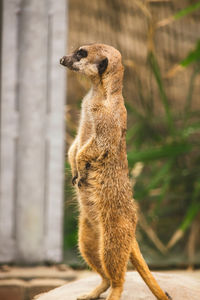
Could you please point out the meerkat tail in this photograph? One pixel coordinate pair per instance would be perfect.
(142, 268)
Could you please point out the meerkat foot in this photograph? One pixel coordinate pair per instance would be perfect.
(170, 298)
(86, 297)
(96, 292)
(115, 293)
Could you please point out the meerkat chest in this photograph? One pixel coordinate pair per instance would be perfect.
(85, 131)
(86, 127)
(90, 106)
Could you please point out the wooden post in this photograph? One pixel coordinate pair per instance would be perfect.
(30, 208)
(32, 130)
(9, 130)
(55, 130)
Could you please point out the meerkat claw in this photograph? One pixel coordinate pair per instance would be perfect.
(80, 182)
(74, 179)
(170, 298)
(87, 166)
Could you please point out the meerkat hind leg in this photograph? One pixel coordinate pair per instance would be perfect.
(115, 258)
(95, 294)
(89, 248)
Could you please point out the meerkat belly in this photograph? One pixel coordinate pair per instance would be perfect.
(111, 185)
(89, 204)
(109, 181)
(109, 173)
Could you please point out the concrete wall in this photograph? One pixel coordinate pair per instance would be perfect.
(32, 130)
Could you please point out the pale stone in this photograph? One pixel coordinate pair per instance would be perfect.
(178, 287)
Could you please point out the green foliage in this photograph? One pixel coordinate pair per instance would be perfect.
(163, 97)
(173, 149)
(192, 57)
(169, 184)
(70, 213)
(193, 209)
(187, 10)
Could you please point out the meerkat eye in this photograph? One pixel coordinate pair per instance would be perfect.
(81, 54)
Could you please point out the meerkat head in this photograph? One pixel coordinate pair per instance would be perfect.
(95, 60)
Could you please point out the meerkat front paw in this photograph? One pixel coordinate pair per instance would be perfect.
(87, 165)
(81, 182)
(74, 179)
(83, 175)
(83, 168)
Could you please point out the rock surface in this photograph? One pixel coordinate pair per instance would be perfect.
(178, 286)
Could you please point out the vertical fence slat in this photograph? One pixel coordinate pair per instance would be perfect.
(31, 146)
(32, 130)
(56, 132)
(8, 134)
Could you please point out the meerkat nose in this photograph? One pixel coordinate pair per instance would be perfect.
(62, 60)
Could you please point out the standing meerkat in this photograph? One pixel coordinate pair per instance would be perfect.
(98, 160)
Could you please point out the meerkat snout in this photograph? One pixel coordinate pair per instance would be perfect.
(62, 60)
(68, 62)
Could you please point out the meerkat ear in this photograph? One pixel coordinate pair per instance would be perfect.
(102, 66)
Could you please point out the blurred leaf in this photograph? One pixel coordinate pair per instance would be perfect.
(190, 129)
(151, 233)
(181, 13)
(70, 239)
(67, 165)
(187, 10)
(165, 151)
(156, 71)
(175, 238)
(132, 131)
(133, 110)
(155, 181)
(187, 108)
(193, 56)
(191, 213)
(163, 192)
(160, 174)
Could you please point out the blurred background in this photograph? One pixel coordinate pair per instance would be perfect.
(40, 104)
(160, 46)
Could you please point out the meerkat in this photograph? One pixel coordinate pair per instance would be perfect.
(99, 165)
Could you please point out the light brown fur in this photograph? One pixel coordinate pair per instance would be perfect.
(98, 160)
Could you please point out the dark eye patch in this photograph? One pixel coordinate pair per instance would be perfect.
(102, 66)
(81, 54)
